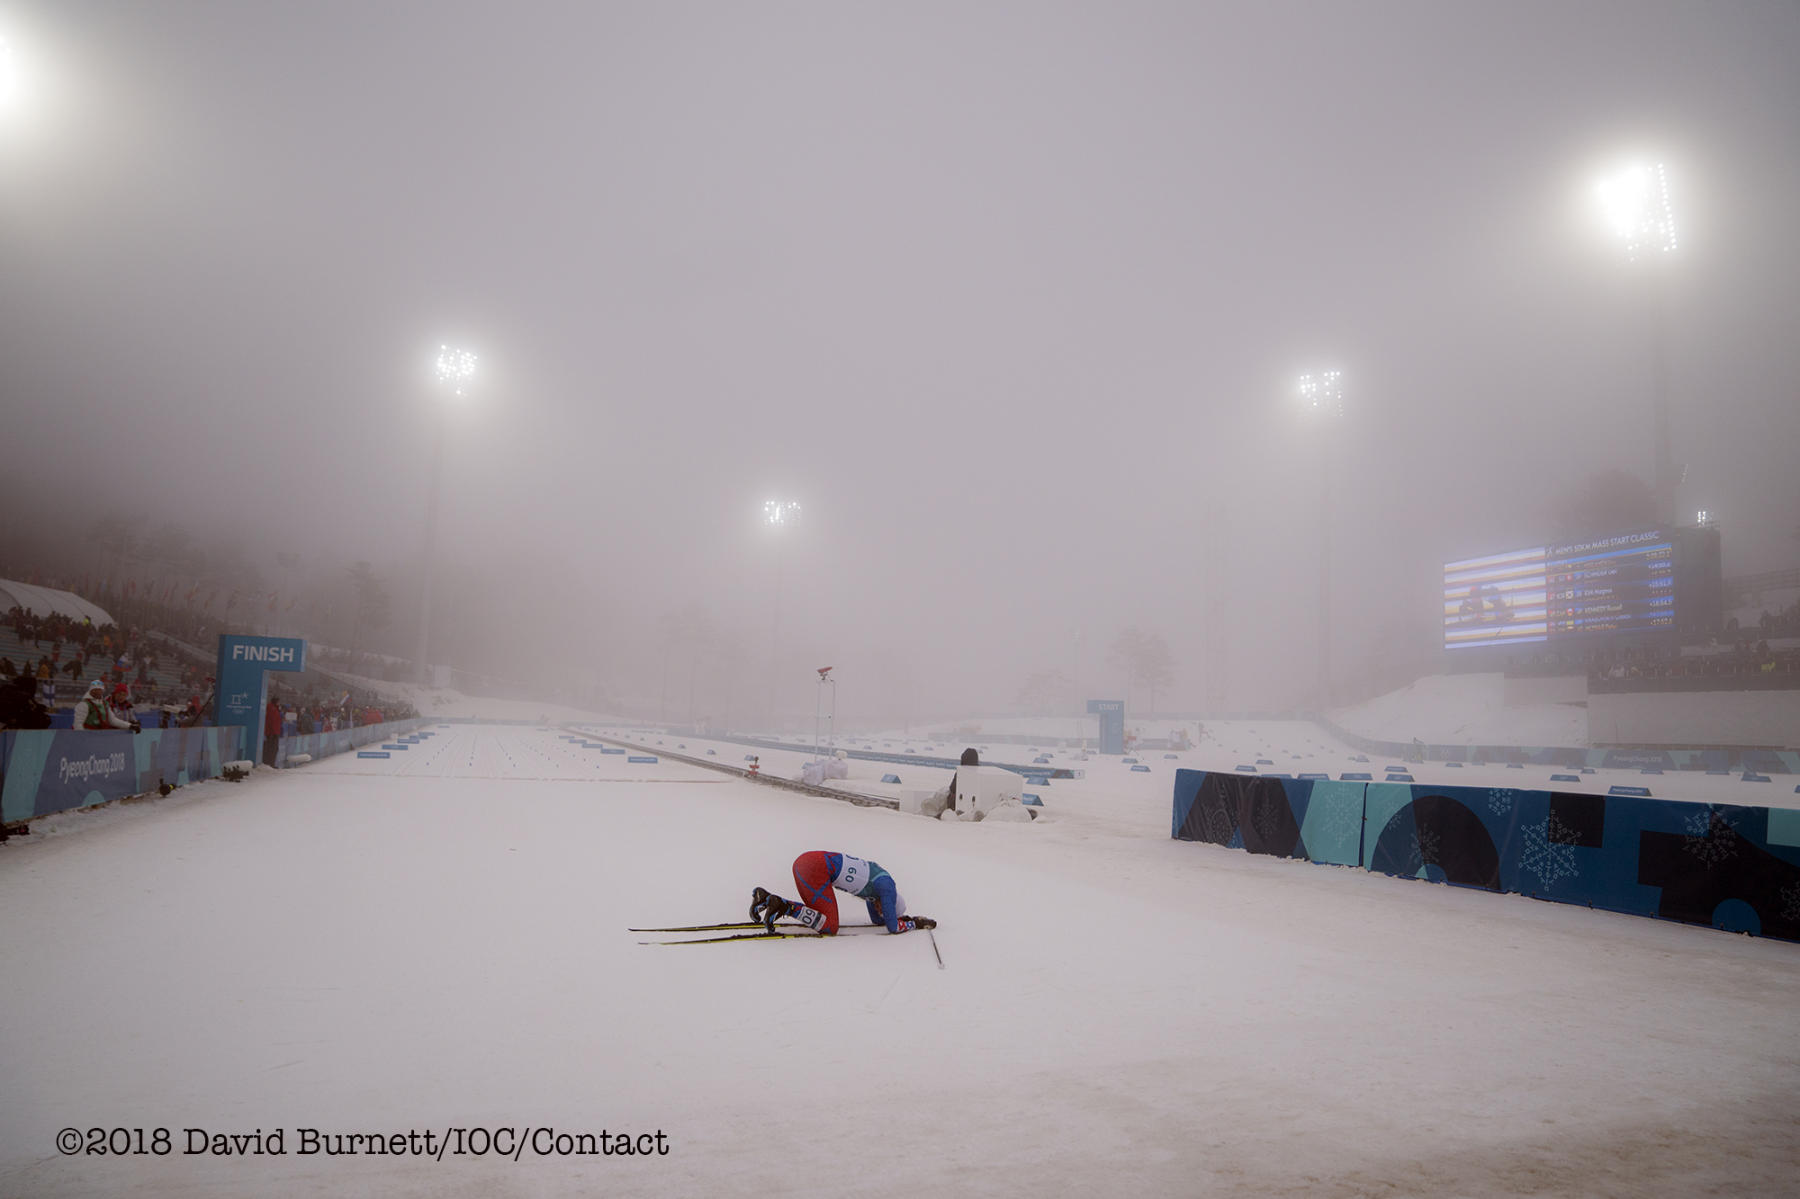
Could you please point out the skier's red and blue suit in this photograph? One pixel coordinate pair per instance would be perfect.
(820, 874)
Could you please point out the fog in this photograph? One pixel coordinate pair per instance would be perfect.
(1011, 298)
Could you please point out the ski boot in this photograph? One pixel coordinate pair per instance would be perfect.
(768, 908)
(778, 908)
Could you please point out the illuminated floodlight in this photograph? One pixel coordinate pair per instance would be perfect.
(1635, 206)
(1323, 393)
(455, 368)
(781, 512)
(1702, 517)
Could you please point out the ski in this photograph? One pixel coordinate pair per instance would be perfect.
(707, 928)
(732, 925)
(762, 936)
(739, 931)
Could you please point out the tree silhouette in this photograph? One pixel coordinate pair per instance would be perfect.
(1146, 660)
(373, 606)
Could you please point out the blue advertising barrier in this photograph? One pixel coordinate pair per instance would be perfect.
(1729, 867)
(52, 770)
(325, 745)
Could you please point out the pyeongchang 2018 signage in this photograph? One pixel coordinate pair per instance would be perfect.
(242, 663)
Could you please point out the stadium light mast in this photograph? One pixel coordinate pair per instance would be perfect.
(1634, 205)
(455, 369)
(1322, 398)
(779, 516)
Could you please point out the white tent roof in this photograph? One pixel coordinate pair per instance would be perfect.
(47, 600)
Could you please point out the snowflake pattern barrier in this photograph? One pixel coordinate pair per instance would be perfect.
(1710, 838)
(1674, 859)
(1547, 851)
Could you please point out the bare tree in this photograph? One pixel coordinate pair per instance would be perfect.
(1156, 666)
(1044, 692)
(117, 537)
(372, 605)
(1146, 660)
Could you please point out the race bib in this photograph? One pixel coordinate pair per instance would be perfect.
(852, 876)
(814, 920)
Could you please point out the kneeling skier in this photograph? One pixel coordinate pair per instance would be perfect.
(819, 874)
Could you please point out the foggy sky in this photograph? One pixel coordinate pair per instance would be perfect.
(1011, 297)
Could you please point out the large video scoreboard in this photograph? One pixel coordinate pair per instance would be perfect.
(1618, 585)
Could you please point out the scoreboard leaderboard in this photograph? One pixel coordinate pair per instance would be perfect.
(1621, 584)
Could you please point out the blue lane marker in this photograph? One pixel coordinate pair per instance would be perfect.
(372, 753)
(1356, 777)
(1565, 778)
(1145, 769)
(1639, 791)
(645, 758)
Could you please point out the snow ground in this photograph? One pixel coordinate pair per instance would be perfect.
(437, 940)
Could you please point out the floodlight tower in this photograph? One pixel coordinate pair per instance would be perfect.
(455, 369)
(1322, 398)
(1634, 203)
(819, 714)
(778, 517)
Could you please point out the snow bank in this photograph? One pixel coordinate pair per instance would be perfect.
(1464, 709)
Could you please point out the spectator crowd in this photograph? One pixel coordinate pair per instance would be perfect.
(137, 677)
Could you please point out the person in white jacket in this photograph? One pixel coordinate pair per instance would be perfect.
(93, 712)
